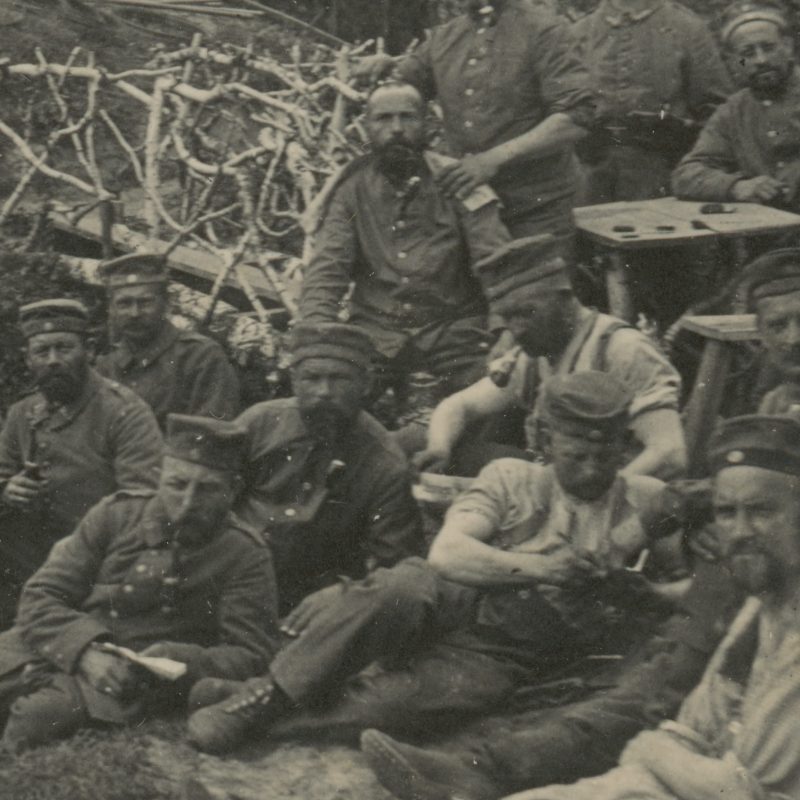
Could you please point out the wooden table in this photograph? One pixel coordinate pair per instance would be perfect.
(721, 333)
(667, 222)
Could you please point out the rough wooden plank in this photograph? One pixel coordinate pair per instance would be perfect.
(724, 327)
(186, 260)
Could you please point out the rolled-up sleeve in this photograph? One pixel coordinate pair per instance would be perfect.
(564, 79)
(644, 370)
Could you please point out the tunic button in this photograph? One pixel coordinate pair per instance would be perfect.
(307, 487)
(400, 224)
(404, 279)
(772, 134)
(407, 307)
(127, 588)
(469, 92)
(167, 609)
(402, 254)
(290, 512)
(113, 613)
(468, 123)
(141, 568)
(524, 594)
(472, 62)
(481, 31)
(170, 581)
(780, 165)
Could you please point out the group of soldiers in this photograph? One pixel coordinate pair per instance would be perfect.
(581, 614)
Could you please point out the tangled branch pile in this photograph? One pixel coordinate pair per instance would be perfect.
(226, 152)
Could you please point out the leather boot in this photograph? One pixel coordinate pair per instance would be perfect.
(209, 691)
(223, 726)
(414, 773)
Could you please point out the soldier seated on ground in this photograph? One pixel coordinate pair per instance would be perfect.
(748, 149)
(324, 480)
(735, 736)
(174, 371)
(168, 573)
(527, 576)
(408, 250)
(772, 286)
(531, 292)
(76, 439)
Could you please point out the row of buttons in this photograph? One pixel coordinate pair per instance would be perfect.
(470, 91)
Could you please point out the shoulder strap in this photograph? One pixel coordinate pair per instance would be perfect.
(600, 360)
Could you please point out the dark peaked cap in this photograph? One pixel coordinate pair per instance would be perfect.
(332, 340)
(757, 440)
(202, 440)
(134, 269)
(773, 274)
(521, 267)
(590, 404)
(53, 316)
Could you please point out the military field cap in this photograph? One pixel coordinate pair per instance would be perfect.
(332, 340)
(593, 405)
(202, 440)
(757, 440)
(773, 274)
(53, 316)
(521, 268)
(134, 269)
(744, 11)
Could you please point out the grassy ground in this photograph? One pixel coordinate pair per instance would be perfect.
(153, 763)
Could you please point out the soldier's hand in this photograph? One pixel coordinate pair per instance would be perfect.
(705, 543)
(762, 189)
(22, 490)
(312, 606)
(106, 672)
(431, 460)
(461, 179)
(371, 69)
(564, 566)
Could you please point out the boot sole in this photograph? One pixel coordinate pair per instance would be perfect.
(396, 774)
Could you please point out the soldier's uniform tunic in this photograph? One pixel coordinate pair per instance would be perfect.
(325, 511)
(180, 372)
(119, 578)
(106, 440)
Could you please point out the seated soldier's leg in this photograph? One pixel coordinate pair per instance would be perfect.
(388, 615)
(52, 712)
(439, 688)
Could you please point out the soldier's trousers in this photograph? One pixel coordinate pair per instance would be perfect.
(401, 652)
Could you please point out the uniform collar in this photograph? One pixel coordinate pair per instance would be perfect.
(165, 338)
(61, 416)
(617, 17)
(488, 20)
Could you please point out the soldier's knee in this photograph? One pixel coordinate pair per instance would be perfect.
(51, 713)
(405, 587)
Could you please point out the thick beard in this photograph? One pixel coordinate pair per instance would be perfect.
(399, 162)
(775, 87)
(60, 387)
(328, 425)
(755, 572)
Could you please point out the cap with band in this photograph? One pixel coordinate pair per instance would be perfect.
(134, 269)
(773, 274)
(593, 405)
(757, 440)
(740, 13)
(60, 315)
(336, 340)
(202, 440)
(522, 268)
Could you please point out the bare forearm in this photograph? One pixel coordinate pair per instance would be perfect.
(474, 563)
(552, 134)
(446, 425)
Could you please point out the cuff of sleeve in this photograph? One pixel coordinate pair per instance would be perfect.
(67, 648)
(726, 186)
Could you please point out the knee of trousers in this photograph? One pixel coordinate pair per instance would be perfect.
(53, 712)
(406, 589)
